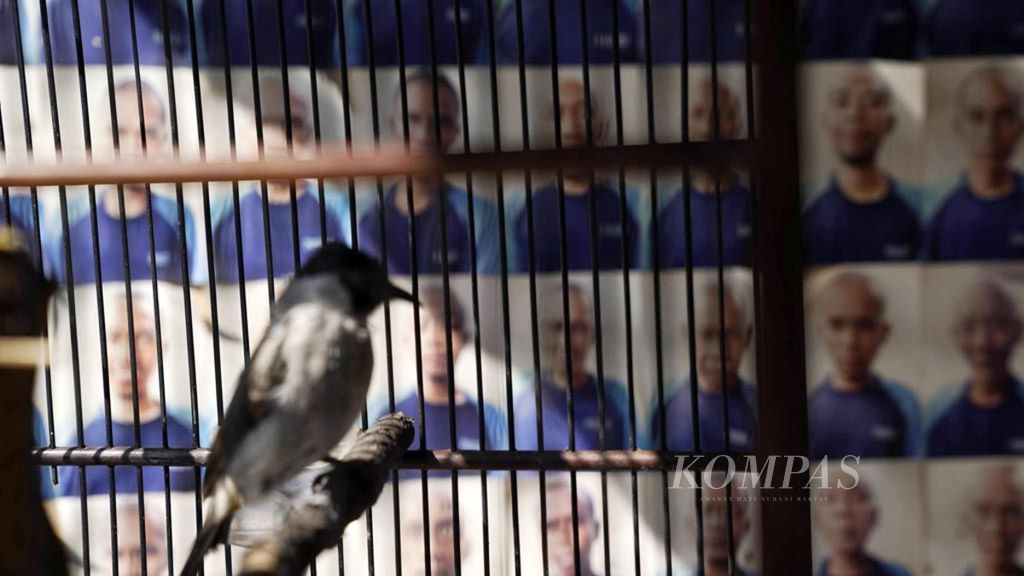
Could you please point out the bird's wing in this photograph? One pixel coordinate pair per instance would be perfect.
(260, 384)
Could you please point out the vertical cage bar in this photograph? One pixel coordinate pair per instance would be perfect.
(505, 312)
(37, 238)
(72, 319)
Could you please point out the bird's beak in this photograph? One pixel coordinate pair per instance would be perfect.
(399, 294)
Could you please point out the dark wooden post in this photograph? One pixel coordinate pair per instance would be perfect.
(782, 392)
(28, 544)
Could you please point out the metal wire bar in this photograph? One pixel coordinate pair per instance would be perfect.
(72, 320)
(626, 292)
(520, 460)
(505, 312)
(133, 359)
(37, 239)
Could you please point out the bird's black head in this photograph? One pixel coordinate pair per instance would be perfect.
(364, 277)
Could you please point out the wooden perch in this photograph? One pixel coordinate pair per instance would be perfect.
(315, 520)
(28, 544)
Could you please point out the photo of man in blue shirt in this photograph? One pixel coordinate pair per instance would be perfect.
(982, 218)
(987, 415)
(437, 381)
(845, 515)
(319, 25)
(706, 190)
(435, 201)
(416, 32)
(863, 214)
(307, 209)
(599, 32)
(149, 27)
(714, 389)
(124, 382)
(994, 519)
(554, 383)
(605, 195)
(975, 28)
(853, 410)
(836, 29)
(141, 133)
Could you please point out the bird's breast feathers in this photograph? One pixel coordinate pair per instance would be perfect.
(310, 352)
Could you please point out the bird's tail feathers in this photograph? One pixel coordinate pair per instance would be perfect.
(224, 501)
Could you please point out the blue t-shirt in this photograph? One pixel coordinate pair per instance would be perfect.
(966, 227)
(149, 32)
(8, 41)
(666, 23)
(672, 229)
(878, 568)
(282, 234)
(880, 421)
(416, 32)
(23, 220)
(975, 28)
(429, 244)
(963, 429)
(166, 243)
(267, 30)
(97, 480)
(837, 229)
(599, 32)
(555, 412)
(547, 222)
(839, 29)
(467, 427)
(679, 418)
(1016, 570)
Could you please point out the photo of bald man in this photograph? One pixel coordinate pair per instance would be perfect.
(982, 218)
(715, 389)
(853, 410)
(863, 214)
(845, 515)
(561, 531)
(436, 209)
(613, 227)
(437, 531)
(144, 227)
(707, 188)
(137, 555)
(986, 416)
(993, 517)
(564, 368)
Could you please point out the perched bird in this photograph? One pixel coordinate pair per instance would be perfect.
(301, 392)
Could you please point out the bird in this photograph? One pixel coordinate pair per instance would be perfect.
(302, 390)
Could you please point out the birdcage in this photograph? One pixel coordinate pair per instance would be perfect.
(595, 203)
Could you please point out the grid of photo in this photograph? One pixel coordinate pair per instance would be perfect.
(910, 176)
(914, 224)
